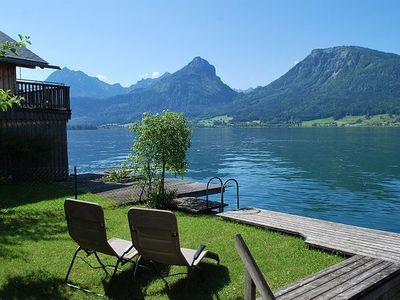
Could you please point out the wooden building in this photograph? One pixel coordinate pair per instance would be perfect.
(33, 136)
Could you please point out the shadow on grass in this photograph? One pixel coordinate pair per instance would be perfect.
(16, 229)
(147, 283)
(14, 195)
(36, 285)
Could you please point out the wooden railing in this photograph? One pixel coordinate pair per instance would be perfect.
(43, 95)
(254, 279)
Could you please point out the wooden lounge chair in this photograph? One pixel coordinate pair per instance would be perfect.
(86, 227)
(155, 236)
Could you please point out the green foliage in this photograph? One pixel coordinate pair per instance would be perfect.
(218, 121)
(383, 120)
(158, 200)
(12, 47)
(160, 147)
(7, 100)
(118, 174)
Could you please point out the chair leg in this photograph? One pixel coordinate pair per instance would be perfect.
(101, 263)
(72, 263)
(137, 266)
(116, 268)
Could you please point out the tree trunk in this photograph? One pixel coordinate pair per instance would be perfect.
(162, 188)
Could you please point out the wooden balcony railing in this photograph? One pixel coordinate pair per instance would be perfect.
(43, 95)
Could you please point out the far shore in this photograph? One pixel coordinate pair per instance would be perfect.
(375, 121)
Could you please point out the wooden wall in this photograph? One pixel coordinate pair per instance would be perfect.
(39, 124)
(52, 163)
(8, 76)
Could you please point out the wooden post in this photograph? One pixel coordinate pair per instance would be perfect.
(75, 184)
(250, 288)
(253, 271)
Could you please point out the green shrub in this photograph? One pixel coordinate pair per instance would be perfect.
(119, 175)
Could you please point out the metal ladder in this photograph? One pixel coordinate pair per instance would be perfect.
(223, 186)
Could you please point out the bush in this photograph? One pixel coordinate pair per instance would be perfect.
(119, 175)
(157, 200)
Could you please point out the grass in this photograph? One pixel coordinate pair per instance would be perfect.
(36, 251)
(383, 120)
(218, 121)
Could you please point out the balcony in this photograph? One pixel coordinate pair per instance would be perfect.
(43, 102)
(43, 95)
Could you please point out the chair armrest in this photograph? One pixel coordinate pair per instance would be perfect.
(198, 252)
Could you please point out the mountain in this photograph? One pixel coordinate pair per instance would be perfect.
(147, 82)
(332, 82)
(195, 90)
(336, 81)
(83, 85)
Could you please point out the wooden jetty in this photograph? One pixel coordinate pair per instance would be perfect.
(346, 239)
(372, 271)
(187, 192)
(195, 205)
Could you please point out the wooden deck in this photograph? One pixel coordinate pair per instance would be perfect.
(187, 192)
(195, 205)
(346, 239)
(372, 271)
(358, 277)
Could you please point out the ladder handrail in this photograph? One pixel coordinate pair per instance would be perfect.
(222, 190)
(237, 191)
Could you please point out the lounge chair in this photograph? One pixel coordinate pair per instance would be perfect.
(86, 227)
(155, 236)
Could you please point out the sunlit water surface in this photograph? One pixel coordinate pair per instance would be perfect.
(347, 175)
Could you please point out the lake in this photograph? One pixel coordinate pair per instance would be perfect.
(347, 175)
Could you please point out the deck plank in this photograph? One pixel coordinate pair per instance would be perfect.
(286, 290)
(362, 281)
(195, 205)
(346, 239)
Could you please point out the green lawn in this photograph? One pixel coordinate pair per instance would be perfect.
(218, 121)
(383, 120)
(36, 250)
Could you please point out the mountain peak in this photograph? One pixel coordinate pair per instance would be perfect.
(330, 82)
(83, 85)
(200, 65)
(343, 51)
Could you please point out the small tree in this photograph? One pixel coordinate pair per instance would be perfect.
(7, 100)
(160, 147)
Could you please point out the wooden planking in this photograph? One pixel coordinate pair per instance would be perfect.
(191, 189)
(366, 281)
(130, 192)
(342, 238)
(195, 205)
(7, 76)
(390, 289)
(304, 282)
(56, 165)
(353, 278)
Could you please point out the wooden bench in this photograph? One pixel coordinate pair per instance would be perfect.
(358, 277)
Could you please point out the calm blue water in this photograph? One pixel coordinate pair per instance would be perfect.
(347, 175)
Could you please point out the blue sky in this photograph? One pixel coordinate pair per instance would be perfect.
(251, 43)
